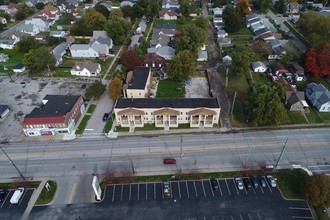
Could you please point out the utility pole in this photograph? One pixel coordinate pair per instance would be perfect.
(232, 107)
(181, 154)
(279, 158)
(10, 161)
(226, 78)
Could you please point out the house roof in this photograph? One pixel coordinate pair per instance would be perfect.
(3, 108)
(7, 41)
(131, 111)
(251, 16)
(224, 40)
(262, 31)
(166, 50)
(18, 66)
(97, 34)
(80, 47)
(202, 54)
(60, 49)
(89, 65)
(54, 109)
(258, 64)
(167, 103)
(166, 111)
(293, 97)
(153, 58)
(321, 93)
(166, 26)
(138, 79)
(168, 12)
(202, 111)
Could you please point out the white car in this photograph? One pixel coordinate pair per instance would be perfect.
(239, 183)
(17, 195)
(271, 181)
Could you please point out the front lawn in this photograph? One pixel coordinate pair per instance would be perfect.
(170, 89)
(47, 195)
(14, 58)
(109, 123)
(289, 181)
(91, 108)
(148, 127)
(83, 124)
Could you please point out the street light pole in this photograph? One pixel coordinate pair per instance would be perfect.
(279, 158)
(10, 161)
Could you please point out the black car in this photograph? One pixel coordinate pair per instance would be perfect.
(214, 184)
(254, 182)
(262, 181)
(83, 86)
(3, 194)
(105, 116)
(247, 183)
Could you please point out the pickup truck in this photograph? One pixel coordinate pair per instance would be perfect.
(167, 190)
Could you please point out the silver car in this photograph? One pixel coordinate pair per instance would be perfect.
(271, 181)
(239, 183)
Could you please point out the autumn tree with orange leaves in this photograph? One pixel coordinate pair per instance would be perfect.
(317, 61)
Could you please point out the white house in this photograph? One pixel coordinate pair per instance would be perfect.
(7, 44)
(202, 55)
(259, 67)
(86, 68)
(3, 20)
(318, 96)
(57, 33)
(19, 68)
(167, 15)
(83, 51)
(40, 22)
(29, 29)
(217, 11)
(222, 33)
(225, 57)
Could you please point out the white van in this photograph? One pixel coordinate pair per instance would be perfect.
(17, 195)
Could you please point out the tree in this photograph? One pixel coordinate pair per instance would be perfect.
(95, 90)
(115, 88)
(127, 11)
(38, 60)
(182, 65)
(40, 5)
(262, 49)
(233, 21)
(52, 41)
(153, 8)
(130, 59)
(202, 23)
(316, 189)
(311, 62)
(262, 5)
(280, 6)
(243, 8)
(92, 20)
(118, 29)
(218, 3)
(187, 7)
(264, 105)
(242, 58)
(23, 12)
(26, 43)
(116, 13)
(144, 46)
(191, 38)
(102, 9)
(317, 62)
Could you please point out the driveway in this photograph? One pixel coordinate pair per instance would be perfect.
(135, 38)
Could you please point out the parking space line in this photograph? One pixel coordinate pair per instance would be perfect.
(146, 191)
(113, 192)
(203, 189)
(249, 216)
(154, 190)
(259, 216)
(262, 190)
(138, 191)
(187, 189)
(195, 189)
(21, 199)
(130, 191)
(179, 190)
(303, 217)
(121, 196)
(236, 187)
(211, 188)
(219, 187)
(227, 187)
(162, 191)
(298, 208)
(240, 216)
(171, 190)
(231, 217)
(3, 202)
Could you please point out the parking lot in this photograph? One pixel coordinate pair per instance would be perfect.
(15, 211)
(201, 190)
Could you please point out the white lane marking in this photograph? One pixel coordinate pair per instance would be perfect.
(240, 216)
(21, 199)
(130, 191)
(249, 216)
(121, 196)
(203, 188)
(154, 190)
(73, 190)
(219, 187)
(179, 190)
(138, 191)
(211, 188)
(195, 189)
(146, 191)
(298, 208)
(259, 216)
(187, 189)
(113, 193)
(227, 187)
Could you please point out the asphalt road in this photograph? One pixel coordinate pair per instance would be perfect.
(211, 152)
(190, 200)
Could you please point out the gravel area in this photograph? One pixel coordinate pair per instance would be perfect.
(197, 87)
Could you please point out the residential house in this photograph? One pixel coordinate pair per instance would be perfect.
(126, 3)
(202, 55)
(166, 26)
(167, 15)
(295, 101)
(221, 34)
(4, 111)
(86, 68)
(160, 41)
(153, 60)
(225, 57)
(137, 83)
(83, 51)
(166, 52)
(58, 114)
(19, 68)
(4, 57)
(252, 19)
(17, 36)
(42, 23)
(101, 37)
(40, 37)
(167, 112)
(162, 31)
(262, 31)
(59, 51)
(257, 26)
(278, 68)
(259, 67)
(57, 33)
(217, 12)
(293, 7)
(50, 12)
(265, 37)
(318, 96)
(170, 4)
(224, 42)
(29, 29)
(12, 8)
(3, 20)
(298, 71)
(7, 43)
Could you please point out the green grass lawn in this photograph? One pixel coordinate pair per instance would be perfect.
(63, 72)
(46, 196)
(289, 181)
(83, 124)
(14, 58)
(91, 108)
(15, 185)
(167, 89)
(122, 129)
(148, 127)
(109, 123)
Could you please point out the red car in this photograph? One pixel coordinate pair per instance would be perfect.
(169, 161)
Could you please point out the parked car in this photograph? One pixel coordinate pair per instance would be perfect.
(105, 116)
(167, 190)
(17, 195)
(83, 86)
(167, 161)
(247, 183)
(239, 183)
(271, 181)
(3, 194)
(262, 181)
(214, 184)
(254, 182)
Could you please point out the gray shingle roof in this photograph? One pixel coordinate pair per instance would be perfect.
(139, 78)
